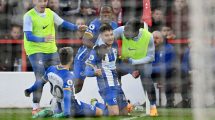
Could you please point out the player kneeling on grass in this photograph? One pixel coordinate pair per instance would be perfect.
(62, 89)
(102, 64)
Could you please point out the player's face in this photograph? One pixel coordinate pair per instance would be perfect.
(129, 34)
(108, 37)
(41, 5)
(106, 17)
(106, 14)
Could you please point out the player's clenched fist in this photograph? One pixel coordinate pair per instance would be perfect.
(82, 27)
(49, 38)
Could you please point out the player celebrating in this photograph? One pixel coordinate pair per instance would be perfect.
(102, 64)
(62, 89)
(39, 40)
(138, 52)
(89, 40)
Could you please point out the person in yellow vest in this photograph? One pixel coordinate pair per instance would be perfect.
(39, 41)
(137, 55)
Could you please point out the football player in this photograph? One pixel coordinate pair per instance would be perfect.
(89, 40)
(102, 64)
(62, 89)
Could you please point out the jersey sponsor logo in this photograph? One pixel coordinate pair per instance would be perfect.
(131, 49)
(44, 27)
(69, 82)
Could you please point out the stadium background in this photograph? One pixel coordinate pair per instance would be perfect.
(171, 13)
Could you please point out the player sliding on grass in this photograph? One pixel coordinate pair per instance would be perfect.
(102, 64)
(62, 89)
(39, 41)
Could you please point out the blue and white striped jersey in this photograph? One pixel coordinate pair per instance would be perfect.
(107, 65)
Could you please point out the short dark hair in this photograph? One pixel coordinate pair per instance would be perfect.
(105, 27)
(134, 25)
(106, 8)
(66, 54)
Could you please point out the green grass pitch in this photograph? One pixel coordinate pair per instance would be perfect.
(164, 114)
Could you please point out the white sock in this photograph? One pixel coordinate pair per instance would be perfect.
(35, 106)
(153, 106)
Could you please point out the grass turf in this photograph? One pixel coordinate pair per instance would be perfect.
(164, 114)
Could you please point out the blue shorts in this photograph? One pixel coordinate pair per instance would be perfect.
(82, 109)
(79, 62)
(114, 96)
(41, 61)
(78, 70)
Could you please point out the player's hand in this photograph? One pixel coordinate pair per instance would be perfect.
(126, 60)
(82, 27)
(98, 72)
(135, 74)
(59, 115)
(49, 38)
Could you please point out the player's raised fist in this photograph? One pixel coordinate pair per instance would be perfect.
(82, 27)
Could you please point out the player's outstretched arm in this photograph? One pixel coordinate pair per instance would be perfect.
(73, 27)
(67, 25)
(67, 93)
